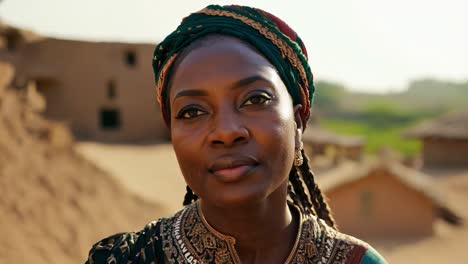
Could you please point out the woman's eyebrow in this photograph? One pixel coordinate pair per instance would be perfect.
(240, 83)
(248, 80)
(190, 92)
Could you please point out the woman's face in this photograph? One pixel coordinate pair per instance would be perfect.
(233, 126)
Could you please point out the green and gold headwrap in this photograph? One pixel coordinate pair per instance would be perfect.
(272, 37)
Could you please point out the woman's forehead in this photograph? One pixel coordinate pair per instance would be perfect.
(223, 61)
(222, 51)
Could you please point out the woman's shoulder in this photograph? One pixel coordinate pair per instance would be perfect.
(134, 247)
(330, 245)
(361, 252)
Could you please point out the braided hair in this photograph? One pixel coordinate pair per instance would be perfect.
(319, 206)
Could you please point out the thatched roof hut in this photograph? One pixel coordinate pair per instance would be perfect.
(318, 134)
(451, 126)
(382, 198)
(445, 140)
(317, 139)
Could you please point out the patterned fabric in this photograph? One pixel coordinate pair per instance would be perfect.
(188, 238)
(141, 247)
(267, 33)
(372, 257)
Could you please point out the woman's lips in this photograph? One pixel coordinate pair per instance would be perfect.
(232, 168)
(233, 174)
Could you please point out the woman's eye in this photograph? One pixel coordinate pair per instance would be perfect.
(189, 113)
(257, 99)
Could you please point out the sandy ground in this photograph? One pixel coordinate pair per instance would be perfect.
(54, 205)
(151, 170)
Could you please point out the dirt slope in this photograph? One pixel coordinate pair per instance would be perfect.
(54, 204)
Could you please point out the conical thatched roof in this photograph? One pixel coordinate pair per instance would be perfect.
(349, 172)
(451, 126)
(319, 135)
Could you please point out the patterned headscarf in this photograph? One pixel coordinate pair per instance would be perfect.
(272, 37)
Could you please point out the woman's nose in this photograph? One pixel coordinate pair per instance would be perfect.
(228, 130)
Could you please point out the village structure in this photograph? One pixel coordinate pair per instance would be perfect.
(444, 140)
(102, 91)
(381, 198)
(105, 91)
(317, 141)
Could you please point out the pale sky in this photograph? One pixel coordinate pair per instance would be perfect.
(367, 45)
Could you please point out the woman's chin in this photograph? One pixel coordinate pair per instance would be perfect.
(236, 197)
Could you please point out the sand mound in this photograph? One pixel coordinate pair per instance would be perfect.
(54, 204)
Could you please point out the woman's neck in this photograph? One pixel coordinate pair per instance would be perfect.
(263, 231)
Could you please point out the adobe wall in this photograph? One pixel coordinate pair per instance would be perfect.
(393, 209)
(75, 78)
(445, 152)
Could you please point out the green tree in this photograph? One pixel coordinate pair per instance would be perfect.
(328, 96)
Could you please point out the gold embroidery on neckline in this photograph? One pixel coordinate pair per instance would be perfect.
(188, 238)
(231, 240)
(298, 238)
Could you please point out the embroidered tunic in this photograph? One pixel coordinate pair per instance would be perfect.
(188, 238)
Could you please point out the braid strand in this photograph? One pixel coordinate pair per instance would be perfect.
(318, 198)
(299, 190)
(189, 197)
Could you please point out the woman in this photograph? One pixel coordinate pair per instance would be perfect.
(235, 90)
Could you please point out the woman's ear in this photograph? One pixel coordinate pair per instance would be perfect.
(299, 125)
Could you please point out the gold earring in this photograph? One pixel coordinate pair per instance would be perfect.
(298, 159)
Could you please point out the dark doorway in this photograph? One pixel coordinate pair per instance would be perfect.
(110, 119)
